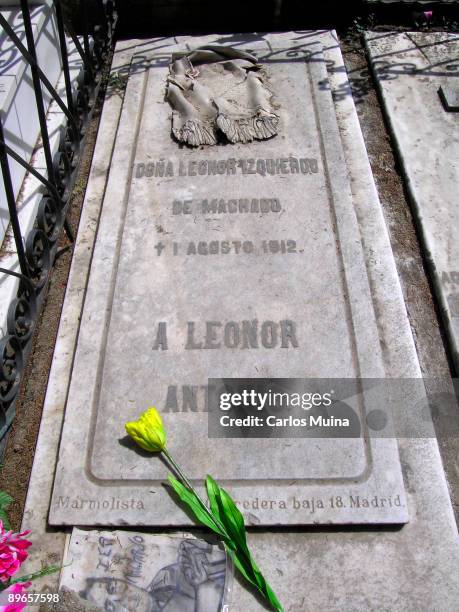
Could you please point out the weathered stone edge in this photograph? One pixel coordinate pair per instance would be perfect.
(48, 545)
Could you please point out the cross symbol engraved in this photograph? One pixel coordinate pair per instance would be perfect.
(159, 247)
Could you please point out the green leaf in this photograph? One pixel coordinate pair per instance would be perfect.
(258, 582)
(228, 514)
(5, 500)
(255, 576)
(273, 599)
(233, 516)
(224, 508)
(5, 520)
(241, 566)
(213, 494)
(194, 504)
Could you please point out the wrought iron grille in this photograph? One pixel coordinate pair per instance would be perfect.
(36, 254)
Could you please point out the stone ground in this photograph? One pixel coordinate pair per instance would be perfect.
(423, 316)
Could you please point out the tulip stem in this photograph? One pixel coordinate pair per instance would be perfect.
(192, 489)
(177, 468)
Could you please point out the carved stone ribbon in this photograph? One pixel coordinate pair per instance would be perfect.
(219, 89)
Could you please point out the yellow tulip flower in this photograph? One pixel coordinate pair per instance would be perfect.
(148, 431)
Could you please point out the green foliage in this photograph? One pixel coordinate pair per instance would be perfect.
(233, 521)
(195, 506)
(5, 501)
(223, 507)
(225, 519)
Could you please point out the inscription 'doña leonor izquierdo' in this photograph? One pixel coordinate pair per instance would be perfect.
(228, 167)
(220, 93)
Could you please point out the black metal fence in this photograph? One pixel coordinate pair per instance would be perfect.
(36, 254)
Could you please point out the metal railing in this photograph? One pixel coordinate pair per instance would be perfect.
(36, 254)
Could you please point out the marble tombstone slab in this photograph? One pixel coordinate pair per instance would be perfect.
(210, 238)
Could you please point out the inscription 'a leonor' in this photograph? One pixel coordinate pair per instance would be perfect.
(233, 335)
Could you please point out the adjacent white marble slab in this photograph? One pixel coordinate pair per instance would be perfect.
(409, 69)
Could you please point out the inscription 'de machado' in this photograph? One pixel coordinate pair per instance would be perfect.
(240, 275)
